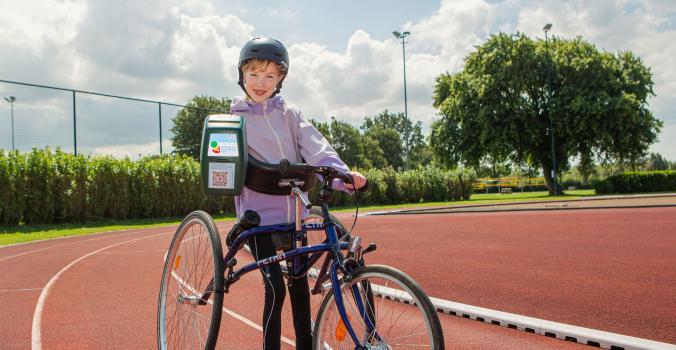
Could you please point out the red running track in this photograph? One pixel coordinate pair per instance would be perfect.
(591, 268)
(607, 269)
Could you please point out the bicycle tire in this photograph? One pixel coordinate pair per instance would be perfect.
(317, 237)
(418, 321)
(181, 320)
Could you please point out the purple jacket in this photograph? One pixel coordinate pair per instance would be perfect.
(275, 132)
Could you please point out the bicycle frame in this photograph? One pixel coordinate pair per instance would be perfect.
(314, 251)
(300, 229)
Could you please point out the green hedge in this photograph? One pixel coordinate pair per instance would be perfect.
(426, 184)
(638, 182)
(45, 186)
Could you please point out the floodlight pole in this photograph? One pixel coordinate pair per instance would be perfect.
(403, 36)
(11, 100)
(546, 29)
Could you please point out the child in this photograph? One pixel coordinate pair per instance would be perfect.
(276, 132)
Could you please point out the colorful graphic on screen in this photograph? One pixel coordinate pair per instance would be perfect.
(223, 145)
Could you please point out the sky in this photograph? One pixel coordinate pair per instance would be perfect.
(345, 62)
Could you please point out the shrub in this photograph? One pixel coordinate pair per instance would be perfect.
(45, 186)
(636, 182)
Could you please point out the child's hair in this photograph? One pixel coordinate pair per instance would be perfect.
(257, 63)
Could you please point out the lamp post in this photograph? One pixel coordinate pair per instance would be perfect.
(11, 100)
(546, 29)
(403, 36)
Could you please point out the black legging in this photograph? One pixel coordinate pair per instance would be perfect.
(299, 292)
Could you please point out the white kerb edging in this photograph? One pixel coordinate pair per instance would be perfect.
(552, 329)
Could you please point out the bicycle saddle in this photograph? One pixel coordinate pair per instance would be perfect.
(265, 178)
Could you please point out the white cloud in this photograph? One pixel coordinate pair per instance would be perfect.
(283, 14)
(202, 44)
(368, 77)
(347, 85)
(173, 50)
(456, 27)
(32, 31)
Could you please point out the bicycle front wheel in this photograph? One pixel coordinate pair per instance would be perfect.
(191, 293)
(375, 293)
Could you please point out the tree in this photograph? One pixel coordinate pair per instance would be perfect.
(189, 123)
(347, 141)
(373, 153)
(420, 154)
(390, 143)
(656, 161)
(411, 148)
(355, 149)
(500, 105)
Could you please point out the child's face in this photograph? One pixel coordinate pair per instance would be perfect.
(261, 82)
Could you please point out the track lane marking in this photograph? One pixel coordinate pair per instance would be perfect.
(19, 290)
(230, 312)
(62, 244)
(36, 335)
(224, 309)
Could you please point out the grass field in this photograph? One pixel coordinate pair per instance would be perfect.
(20, 234)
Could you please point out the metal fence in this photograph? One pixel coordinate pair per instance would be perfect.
(84, 122)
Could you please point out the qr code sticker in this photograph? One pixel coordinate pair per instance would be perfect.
(219, 178)
(222, 175)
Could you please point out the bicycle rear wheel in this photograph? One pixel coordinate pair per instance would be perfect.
(319, 236)
(397, 325)
(184, 319)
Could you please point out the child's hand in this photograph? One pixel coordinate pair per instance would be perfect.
(359, 181)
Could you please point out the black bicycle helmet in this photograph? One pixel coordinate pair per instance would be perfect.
(263, 48)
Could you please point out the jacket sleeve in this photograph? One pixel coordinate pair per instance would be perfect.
(315, 148)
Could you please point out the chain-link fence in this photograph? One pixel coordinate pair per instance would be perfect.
(83, 122)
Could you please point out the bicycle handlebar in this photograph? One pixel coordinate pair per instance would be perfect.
(329, 173)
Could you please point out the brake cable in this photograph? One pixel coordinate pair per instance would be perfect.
(356, 202)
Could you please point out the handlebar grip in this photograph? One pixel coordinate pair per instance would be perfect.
(249, 219)
(346, 178)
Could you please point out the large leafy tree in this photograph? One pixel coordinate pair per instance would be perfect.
(189, 122)
(499, 106)
(401, 139)
(355, 149)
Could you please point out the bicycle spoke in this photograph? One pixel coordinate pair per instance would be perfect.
(194, 256)
(396, 325)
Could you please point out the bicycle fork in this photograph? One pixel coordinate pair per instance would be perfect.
(366, 308)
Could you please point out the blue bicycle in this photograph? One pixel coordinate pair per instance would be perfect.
(364, 306)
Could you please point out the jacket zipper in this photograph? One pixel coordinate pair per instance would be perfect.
(281, 151)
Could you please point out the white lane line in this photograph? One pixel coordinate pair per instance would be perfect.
(36, 335)
(230, 312)
(28, 252)
(59, 245)
(19, 290)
